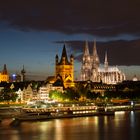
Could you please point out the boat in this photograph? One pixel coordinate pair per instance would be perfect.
(39, 114)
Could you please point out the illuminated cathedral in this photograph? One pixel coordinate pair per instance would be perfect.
(91, 70)
(4, 77)
(64, 69)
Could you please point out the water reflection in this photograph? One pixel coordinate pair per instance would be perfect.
(124, 125)
(132, 118)
(119, 115)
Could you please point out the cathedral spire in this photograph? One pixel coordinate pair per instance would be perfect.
(94, 49)
(86, 51)
(95, 55)
(4, 69)
(106, 62)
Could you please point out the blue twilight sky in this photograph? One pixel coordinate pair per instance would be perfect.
(33, 32)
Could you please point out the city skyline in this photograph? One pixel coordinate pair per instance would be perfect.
(32, 33)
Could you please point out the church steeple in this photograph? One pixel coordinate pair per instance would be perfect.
(94, 49)
(86, 51)
(90, 68)
(4, 70)
(106, 62)
(64, 69)
(86, 55)
(64, 58)
(95, 55)
(64, 53)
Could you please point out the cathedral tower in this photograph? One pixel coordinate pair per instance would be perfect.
(86, 64)
(4, 77)
(91, 70)
(4, 70)
(106, 62)
(95, 64)
(65, 69)
(95, 58)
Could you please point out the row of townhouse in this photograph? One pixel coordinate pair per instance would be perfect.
(27, 92)
(41, 94)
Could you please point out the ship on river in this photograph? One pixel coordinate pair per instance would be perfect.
(36, 114)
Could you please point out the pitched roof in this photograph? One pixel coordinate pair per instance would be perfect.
(64, 55)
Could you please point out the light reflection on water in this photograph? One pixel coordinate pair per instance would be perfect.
(119, 127)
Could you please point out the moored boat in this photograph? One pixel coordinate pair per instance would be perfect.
(58, 113)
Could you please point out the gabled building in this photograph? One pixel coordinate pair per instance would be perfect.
(27, 93)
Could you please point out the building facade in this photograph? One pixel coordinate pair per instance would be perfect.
(91, 70)
(64, 69)
(4, 77)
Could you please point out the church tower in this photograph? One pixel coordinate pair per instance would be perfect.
(91, 70)
(86, 64)
(95, 64)
(4, 70)
(106, 63)
(65, 69)
(95, 58)
(4, 77)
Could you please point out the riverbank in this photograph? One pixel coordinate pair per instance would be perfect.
(10, 112)
(16, 111)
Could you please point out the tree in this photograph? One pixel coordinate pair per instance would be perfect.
(8, 94)
(71, 94)
(55, 94)
(92, 95)
(81, 89)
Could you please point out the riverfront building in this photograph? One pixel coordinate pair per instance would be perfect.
(91, 70)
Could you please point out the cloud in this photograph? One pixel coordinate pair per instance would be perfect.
(120, 52)
(102, 18)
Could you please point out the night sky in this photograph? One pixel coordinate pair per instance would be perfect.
(32, 32)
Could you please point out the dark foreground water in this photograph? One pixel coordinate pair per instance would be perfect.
(122, 126)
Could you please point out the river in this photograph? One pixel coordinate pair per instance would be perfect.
(121, 126)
